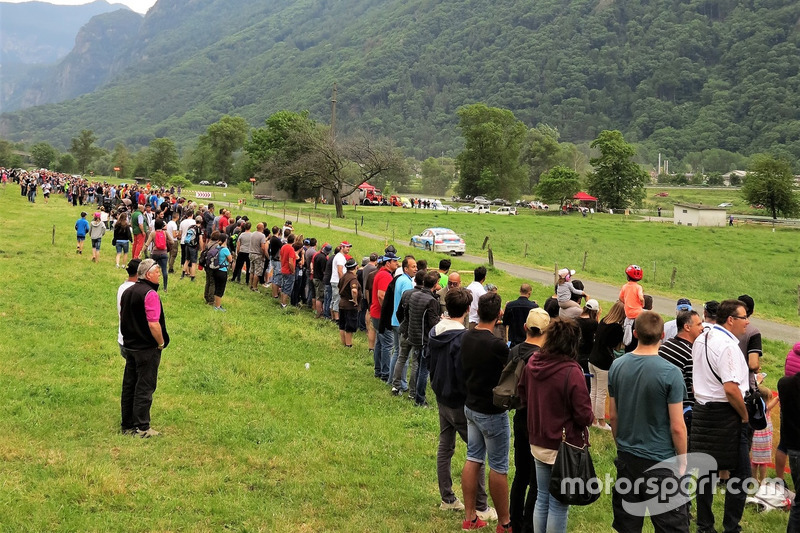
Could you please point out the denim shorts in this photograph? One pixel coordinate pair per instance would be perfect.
(123, 246)
(96, 243)
(287, 284)
(488, 434)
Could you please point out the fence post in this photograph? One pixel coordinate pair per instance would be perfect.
(672, 281)
(284, 212)
(585, 253)
(362, 220)
(297, 218)
(329, 221)
(309, 219)
(526, 249)
(491, 256)
(555, 273)
(654, 271)
(485, 241)
(54, 236)
(355, 222)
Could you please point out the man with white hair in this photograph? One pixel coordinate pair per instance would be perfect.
(144, 337)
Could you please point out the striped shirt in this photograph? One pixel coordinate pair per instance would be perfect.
(678, 351)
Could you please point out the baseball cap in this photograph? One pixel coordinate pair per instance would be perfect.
(684, 304)
(748, 302)
(306, 242)
(592, 304)
(564, 272)
(537, 318)
(345, 243)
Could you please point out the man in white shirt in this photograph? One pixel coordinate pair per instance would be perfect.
(720, 423)
(132, 268)
(338, 271)
(477, 290)
(172, 231)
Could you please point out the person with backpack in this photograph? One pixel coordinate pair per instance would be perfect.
(219, 264)
(162, 243)
(522, 497)
(210, 250)
(447, 382)
(192, 242)
(424, 313)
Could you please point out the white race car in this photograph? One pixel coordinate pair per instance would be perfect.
(439, 240)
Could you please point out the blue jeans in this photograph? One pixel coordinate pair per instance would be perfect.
(403, 385)
(549, 514)
(162, 261)
(326, 303)
(488, 439)
(383, 351)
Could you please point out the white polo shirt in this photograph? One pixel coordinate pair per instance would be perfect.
(727, 360)
(338, 260)
(477, 291)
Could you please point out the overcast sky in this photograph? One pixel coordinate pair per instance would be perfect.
(140, 6)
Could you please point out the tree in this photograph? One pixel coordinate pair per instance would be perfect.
(769, 182)
(159, 178)
(66, 164)
(43, 155)
(559, 184)
(490, 161)
(540, 152)
(616, 180)
(162, 156)
(435, 177)
(84, 150)
(223, 138)
(179, 181)
(122, 159)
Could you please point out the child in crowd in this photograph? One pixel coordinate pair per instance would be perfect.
(81, 229)
(762, 438)
(565, 290)
(632, 297)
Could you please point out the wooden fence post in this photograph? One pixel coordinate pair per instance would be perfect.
(362, 220)
(672, 280)
(491, 255)
(485, 241)
(585, 253)
(355, 222)
(54, 238)
(297, 218)
(329, 221)
(526, 249)
(555, 273)
(654, 271)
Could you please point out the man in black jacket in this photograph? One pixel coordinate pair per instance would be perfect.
(144, 336)
(423, 313)
(447, 382)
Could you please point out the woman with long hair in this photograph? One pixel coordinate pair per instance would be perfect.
(587, 322)
(122, 239)
(558, 405)
(607, 347)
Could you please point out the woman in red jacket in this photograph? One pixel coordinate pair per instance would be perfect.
(558, 404)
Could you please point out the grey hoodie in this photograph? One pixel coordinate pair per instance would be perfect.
(97, 229)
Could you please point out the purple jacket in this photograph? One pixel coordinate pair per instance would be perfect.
(793, 361)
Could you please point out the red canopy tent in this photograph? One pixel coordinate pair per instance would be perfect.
(583, 197)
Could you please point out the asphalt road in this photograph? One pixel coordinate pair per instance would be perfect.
(601, 291)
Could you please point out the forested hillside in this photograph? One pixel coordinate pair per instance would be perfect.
(673, 76)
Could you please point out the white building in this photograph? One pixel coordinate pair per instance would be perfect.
(699, 215)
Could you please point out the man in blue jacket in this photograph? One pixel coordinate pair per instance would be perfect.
(447, 382)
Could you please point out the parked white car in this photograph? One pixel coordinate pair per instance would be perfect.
(439, 240)
(505, 211)
(465, 209)
(480, 209)
(480, 200)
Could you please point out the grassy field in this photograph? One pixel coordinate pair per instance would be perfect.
(252, 441)
(710, 263)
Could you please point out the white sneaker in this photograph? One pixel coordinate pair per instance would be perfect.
(490, 514)
(455, 506)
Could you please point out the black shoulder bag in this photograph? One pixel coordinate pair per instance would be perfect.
(572, 479)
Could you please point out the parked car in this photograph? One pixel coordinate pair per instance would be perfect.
(465, 209)
(480, 200)
(221, 184)
(505, 211)
(500, 201)
(204, 182)
(536, 204)
(725, 204)
(439, 240)
(480, 209)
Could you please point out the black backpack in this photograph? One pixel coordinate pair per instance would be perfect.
(504, 395)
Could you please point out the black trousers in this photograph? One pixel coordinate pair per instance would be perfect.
(524, 488)
(138, 385)
(241, 260)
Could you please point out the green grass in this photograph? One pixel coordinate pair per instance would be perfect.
(252, 441)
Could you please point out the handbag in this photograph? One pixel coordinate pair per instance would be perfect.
(753, 402)
(573, 480)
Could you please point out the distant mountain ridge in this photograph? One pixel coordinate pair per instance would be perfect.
(40, 33)
(677, 76)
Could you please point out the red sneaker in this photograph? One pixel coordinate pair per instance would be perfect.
(468, 525)
(503, 529)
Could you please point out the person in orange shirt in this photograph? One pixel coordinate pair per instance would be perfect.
(632, 296)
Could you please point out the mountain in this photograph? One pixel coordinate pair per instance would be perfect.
(35, 33)
(90, 63)
(673, 76)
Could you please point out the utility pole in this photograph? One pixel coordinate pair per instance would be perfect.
(333, 113)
